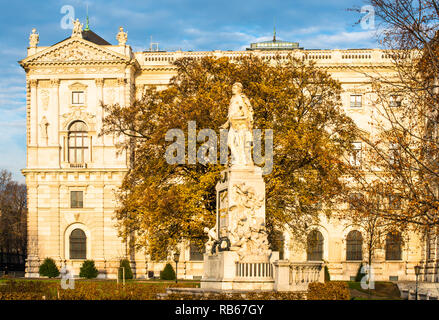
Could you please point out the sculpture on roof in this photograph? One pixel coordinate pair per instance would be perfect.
(122, 37)
(34, 38)
(77, 29)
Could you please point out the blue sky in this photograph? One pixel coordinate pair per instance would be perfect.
(186, 25)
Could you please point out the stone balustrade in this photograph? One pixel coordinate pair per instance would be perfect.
(296, 276)
(320, 57)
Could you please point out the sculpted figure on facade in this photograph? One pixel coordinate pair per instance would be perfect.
(34, 38)
(77, 29)
(122, 37)
(240, 125)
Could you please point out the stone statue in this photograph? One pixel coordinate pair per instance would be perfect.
(212, 238)
(44, 125)
(77, 29)
(122, 37)
(34, 38)
(240, 125)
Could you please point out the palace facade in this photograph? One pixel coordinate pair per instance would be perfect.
(73, 173)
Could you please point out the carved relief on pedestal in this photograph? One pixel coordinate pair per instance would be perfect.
(247, 232)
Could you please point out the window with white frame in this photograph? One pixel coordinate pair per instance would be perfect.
(355, 158)
(356, 101)
(395, 101)
(78, 97)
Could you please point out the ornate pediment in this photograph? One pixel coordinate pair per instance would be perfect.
(78, 113)
(74, 50)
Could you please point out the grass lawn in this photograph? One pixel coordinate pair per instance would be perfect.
(383, 291)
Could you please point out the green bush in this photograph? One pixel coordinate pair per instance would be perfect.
(168, 273)
(88, 270)
(327, 275)
(334, 290)
(124, 263)
(49, 269)
(359, 274)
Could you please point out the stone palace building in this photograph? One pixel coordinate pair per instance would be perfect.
(72, 173)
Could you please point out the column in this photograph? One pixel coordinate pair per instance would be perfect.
(33, 112)
(99, 109)
(54, 113)
(121, 84)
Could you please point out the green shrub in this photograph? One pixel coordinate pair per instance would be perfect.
(168, 273)
(88, 270)
(49, 269)
(327, 275)
(359, 274)
(124, 263)
(335, 290)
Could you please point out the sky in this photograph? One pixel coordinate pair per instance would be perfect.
(176, 25)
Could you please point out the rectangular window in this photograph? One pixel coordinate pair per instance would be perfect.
(356, 101)
(76, 199)
(395, 101)
(355, 159)
(78, 97)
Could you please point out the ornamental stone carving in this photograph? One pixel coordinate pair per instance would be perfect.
(78, 114)
(248, 233)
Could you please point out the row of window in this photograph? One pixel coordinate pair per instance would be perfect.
(356, 155)
(357, 101)
(78, 247)
(354, 246)
(315, 241)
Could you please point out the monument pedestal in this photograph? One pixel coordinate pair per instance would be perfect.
(237, 253)
(224, 271)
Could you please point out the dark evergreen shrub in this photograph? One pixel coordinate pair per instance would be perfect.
(88, 270)
(327, 275)
(168, 273)
(124, 263)
(360, 274)
(49, 269)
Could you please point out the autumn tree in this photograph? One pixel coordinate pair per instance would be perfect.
(402, 150)
(162, 204)
(13, 217)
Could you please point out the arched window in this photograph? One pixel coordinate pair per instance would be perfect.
(78, 244)
(78, 143)
(393, 246)
(315, 246)
(354, 246)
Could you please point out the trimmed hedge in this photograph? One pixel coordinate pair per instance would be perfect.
(84, 290)
(88, 270)
(168, 273)
(124, 263)
(328, 291)
(48, 268)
